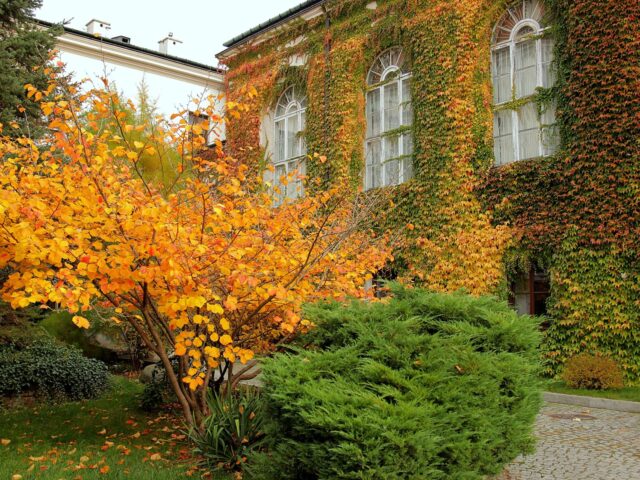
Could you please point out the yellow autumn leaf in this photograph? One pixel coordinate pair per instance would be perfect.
(215, 308)
(80, 322)
(231, 302)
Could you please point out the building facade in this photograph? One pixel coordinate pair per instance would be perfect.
(506, 131)
(172, 81)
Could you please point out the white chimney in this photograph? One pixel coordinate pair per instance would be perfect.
(98, 27)
(168, 44)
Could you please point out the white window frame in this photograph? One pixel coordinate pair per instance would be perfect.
(399, 80)
(294, 108)
(511, 44)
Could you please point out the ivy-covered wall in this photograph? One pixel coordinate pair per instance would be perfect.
(465, 223)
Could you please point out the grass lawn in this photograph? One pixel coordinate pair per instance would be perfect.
(626, 393)
(107, 438)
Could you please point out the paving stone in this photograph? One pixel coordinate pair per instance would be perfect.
(577, 443)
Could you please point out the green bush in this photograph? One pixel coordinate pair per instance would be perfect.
(425, 386)
(592, 372)
(51, 370)
(232, 431)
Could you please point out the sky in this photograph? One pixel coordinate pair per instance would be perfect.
(203, 25)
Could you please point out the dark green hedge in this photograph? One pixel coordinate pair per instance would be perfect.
(51, 370)
(426, 386)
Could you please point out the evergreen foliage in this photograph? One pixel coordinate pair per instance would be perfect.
(425, 386)
(23, 47)
(51, 370)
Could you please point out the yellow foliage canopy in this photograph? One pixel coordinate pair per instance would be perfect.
(210, 269)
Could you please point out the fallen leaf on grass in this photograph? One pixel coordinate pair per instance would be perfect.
(106, 446)
(4, 442)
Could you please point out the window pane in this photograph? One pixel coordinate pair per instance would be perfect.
(373, 158)
(391, 147)
(521, 293)
(550, 140)
(391, 107)
(550, 133)
(523, 33)
(373, 113)
(522, 303)
(280, 140)
(501, 75)
(407, 169)
(407, 144)
(392, 172)
(407, 110)
(548, 73)
(549, 114)
(303, 126)
(503, 137)
(528, 131)
(526, 77)
(293, 143)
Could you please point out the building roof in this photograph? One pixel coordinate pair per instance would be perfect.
(272, 22)
(116, 42)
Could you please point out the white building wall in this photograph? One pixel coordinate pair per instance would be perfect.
(170, 94)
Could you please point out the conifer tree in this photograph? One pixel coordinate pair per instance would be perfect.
(23, 47)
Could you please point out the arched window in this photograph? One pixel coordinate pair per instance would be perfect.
(290, 147)
(522, 55)
(389, 144)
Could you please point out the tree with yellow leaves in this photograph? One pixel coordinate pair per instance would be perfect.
(206, 269)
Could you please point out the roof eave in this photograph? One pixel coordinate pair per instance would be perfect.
(136, 48)
(268, 26)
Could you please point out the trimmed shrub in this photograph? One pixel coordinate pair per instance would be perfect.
(423, 386)
(592, 372)
(50, 370)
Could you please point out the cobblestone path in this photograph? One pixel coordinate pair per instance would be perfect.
(577, 443)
